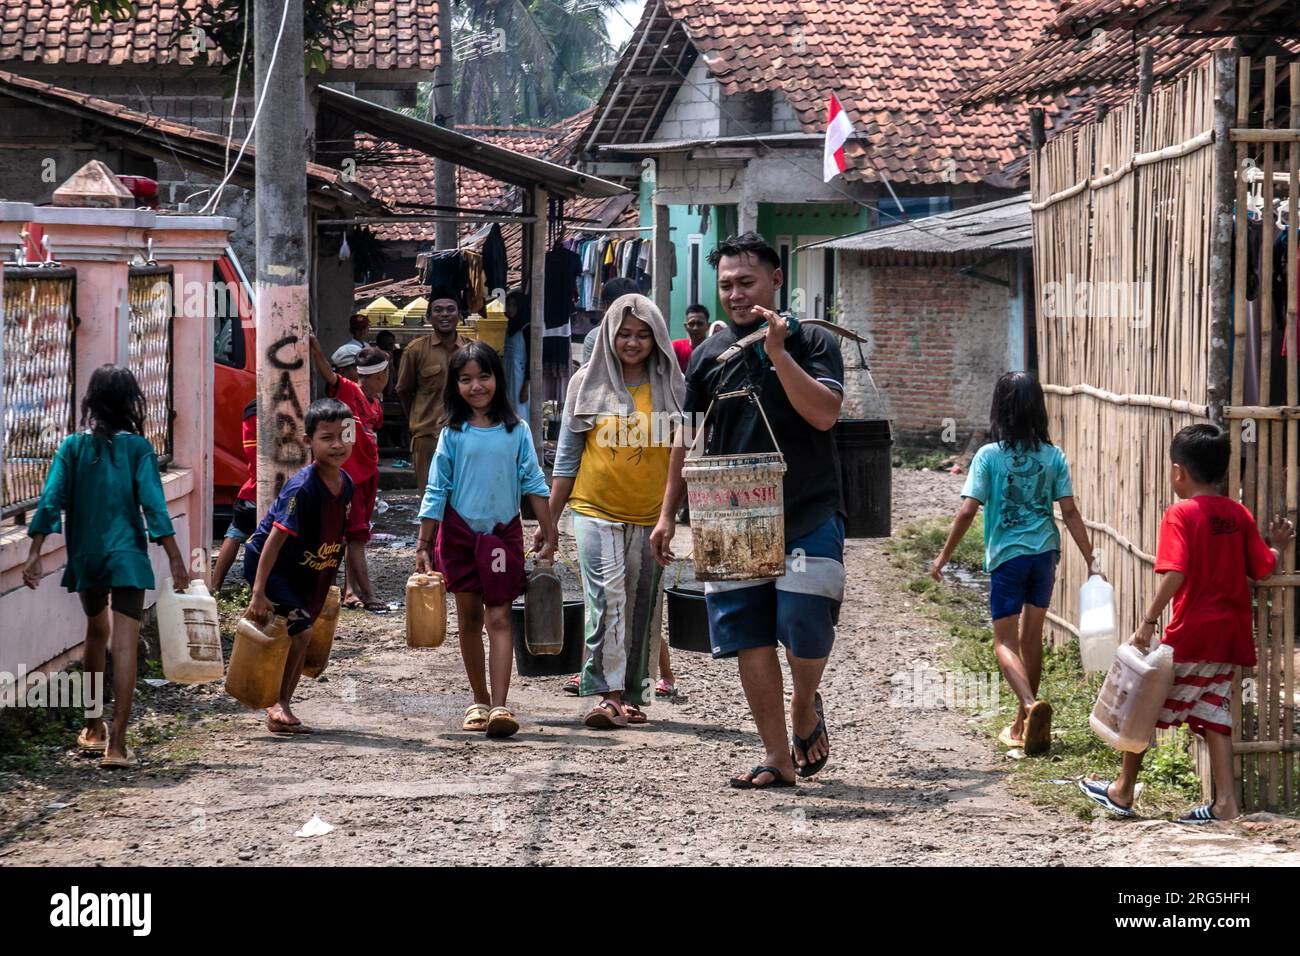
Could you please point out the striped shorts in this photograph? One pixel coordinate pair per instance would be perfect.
(1201, 698)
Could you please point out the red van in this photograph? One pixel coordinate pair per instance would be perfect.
(234, 379)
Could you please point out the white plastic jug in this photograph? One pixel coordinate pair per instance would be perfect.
(189, 634)
(1098, 636)
(1136, 687)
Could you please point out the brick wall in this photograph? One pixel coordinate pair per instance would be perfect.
(938, 344)
(694, 111)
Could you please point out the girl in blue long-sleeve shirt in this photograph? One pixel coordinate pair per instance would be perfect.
(470, 526)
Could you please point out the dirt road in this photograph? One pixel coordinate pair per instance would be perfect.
(399, 781)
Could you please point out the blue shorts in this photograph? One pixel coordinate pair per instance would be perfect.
(1024, 579)
(243, 521)
(799, 610)
(283, 597)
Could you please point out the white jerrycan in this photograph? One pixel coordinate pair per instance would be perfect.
(189, 634)
(1098, 637)
(1131, 698)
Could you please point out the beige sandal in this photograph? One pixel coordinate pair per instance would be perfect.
(476, 718)
(502, 723)
(1006, 739)
(129, 762)
(91, 746)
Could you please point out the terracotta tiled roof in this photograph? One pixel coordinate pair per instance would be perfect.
(404, 178)
(1192, 16)
(387, 34)
(896, 66)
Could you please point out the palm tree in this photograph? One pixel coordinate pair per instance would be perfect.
(530, 62)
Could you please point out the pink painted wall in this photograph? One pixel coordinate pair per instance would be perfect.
(39, 626)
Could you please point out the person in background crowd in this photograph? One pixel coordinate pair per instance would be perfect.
(359, 326)
(697, 330)
(361, 393)
(422, 381)
(518, 351)
(387, 341)
(243, 518)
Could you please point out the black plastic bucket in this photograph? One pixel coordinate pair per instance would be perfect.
(866, 472)
(568, 661)
(688, 621)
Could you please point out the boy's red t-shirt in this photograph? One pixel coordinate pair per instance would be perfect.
(363, 463)
(248, 490)
(1214, 542)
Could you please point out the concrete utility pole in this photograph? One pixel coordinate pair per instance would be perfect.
(283, 388)
(442, 106)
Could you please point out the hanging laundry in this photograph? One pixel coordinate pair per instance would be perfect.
(495, 259)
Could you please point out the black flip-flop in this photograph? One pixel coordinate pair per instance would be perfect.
(813, 766)
(778, 781)
(1200, 815)
(1099, 792)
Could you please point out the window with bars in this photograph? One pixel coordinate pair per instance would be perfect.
(149, 350)
(39, 378)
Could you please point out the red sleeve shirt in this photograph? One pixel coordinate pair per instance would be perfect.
(248, 490)
(1213, 541)
(683, 349)
(363, 464)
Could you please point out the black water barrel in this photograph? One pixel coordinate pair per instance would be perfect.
(866, 472)
(688, 620)
(568, 661)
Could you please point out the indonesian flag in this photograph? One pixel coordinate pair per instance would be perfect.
(838, 130)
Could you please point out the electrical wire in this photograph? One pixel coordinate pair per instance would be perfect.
(270, 70)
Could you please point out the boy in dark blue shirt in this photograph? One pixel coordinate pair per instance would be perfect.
(293, 557)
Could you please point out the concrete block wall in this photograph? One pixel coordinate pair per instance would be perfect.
(694, 113)
(938, 344)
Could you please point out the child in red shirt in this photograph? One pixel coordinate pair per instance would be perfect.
(359, 383)
(1209, 546)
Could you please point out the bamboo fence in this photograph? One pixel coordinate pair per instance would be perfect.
(1124, 248)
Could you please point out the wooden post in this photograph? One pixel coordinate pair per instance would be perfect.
(1037, 128)
(1220, 276)
(536, 259)
(663, 262)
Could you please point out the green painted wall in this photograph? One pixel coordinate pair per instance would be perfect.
(795, 221)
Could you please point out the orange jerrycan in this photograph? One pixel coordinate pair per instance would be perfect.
(426, 610)
(322, 635)
(257, 662)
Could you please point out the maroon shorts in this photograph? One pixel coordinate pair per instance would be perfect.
(363, 506)
(488, 564)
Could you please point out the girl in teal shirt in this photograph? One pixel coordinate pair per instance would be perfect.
(102, 478)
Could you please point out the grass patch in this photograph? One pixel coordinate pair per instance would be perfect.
(1168, 774)
(921, 459)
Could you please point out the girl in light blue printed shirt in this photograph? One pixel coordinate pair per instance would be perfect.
(485, 462)
(1017, 477)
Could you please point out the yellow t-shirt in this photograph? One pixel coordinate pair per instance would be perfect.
(623, 473)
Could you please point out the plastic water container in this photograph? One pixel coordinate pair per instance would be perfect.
(322, 635)
(257, 661)
(1098, 636)
(189, 635)
(544, 611)
(426, 610)
(1136, 687)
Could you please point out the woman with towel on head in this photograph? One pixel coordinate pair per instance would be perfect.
(611, 468)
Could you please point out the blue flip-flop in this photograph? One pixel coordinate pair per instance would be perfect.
(1200, 815)
(1097, 791)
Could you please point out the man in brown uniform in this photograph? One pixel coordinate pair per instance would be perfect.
(423, 377)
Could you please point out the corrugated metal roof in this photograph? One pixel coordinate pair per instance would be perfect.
(999, 225)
